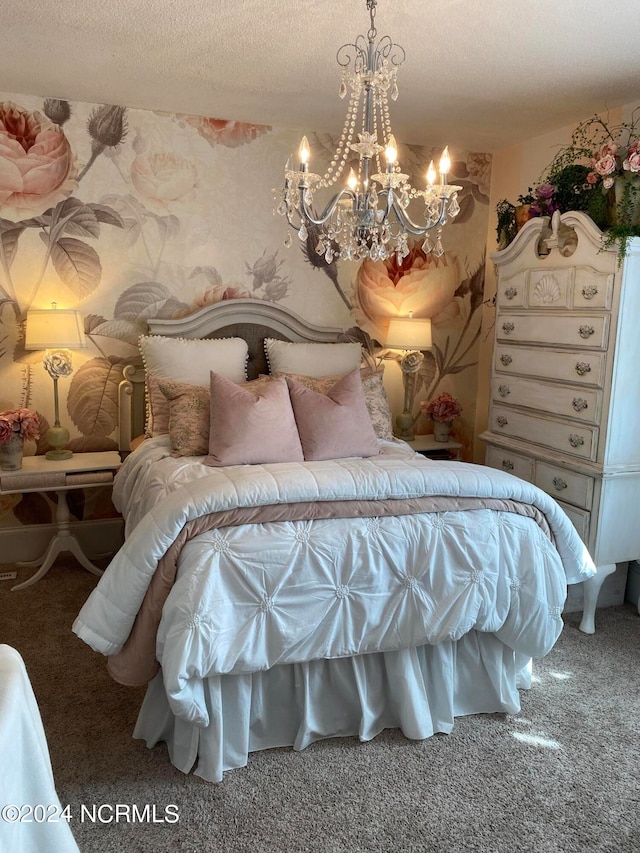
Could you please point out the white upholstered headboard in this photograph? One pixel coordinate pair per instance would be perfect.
(251, 319)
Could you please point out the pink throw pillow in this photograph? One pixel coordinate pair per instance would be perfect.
(334, 425)
(374, 395)
(251, 427)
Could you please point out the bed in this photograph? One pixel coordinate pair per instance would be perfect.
(276, 603)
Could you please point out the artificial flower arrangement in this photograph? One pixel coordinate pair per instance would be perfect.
(443, 408)
(24, 422)
(598, 172)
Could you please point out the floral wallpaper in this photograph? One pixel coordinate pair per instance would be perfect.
(129, 214)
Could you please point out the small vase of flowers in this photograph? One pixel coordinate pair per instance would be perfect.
(442, 410)
(16, 425)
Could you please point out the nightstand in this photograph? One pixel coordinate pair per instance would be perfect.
(427, 446)
(82, 471)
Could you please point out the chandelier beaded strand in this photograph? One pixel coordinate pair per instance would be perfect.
(368, 217)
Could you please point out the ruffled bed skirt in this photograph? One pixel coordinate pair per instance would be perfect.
(419, 690)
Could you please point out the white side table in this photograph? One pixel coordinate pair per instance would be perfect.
(427, 446)
(82, 471)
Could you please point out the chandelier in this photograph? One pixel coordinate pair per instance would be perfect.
(368, 218)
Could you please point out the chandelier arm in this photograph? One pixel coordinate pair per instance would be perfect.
(294, 225)
(329, 210)
(412, 227)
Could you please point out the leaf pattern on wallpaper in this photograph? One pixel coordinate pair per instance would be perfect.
(33, 509)
(9, 235)
(91, 444)
(20, 354)
(132, 213)
(210, 273)
(92, 321)
(127, 331)
(75, 502)
(42, 445)
(168, 226)
(145, 300)
(73, 216)
(425, 377)
(93, 396)
(77, 264)
(467, 205)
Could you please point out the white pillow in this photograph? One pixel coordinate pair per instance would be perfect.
(191, 361)
(311, 359)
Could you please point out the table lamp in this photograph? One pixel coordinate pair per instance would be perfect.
(57, 331)
(410, 335)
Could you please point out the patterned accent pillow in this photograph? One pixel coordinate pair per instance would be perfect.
(374, 394)
(187, 361)
(188, 421)
(188, 417)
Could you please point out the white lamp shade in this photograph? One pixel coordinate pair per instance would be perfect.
(409, 333)
(54, 329)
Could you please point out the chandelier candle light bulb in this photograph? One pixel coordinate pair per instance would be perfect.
(304, 152)
(391, 152)
(367, 218)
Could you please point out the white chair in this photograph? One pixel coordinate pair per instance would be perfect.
(26, 779)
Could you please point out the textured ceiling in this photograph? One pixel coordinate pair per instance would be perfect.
(480, 74)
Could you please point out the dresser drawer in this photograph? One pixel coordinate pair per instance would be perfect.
(511, 291)
(569, 486)
(579, 518)
(592, 289)
(573, 331)
(573, 439)
(512, 463)
(583, 368)
(583, 404)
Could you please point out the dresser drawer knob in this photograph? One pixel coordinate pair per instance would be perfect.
(559, 483)
(501, 421)
(589, 291)
(506, 359)
(583, 367)
(586, 331)
(576, 440)
(507, 464)
(511, 293)
(507, 328)
(504, 390)
(579, 404)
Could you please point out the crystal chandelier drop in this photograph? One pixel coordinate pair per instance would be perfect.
(368, 217)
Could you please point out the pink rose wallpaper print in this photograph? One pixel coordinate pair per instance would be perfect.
(126, 214)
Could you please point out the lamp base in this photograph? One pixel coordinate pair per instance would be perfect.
(58, 454)
(57, 437)
(404, 427)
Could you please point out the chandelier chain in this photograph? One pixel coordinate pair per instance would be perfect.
(371, 6)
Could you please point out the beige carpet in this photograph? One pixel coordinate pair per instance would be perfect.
(560, 776)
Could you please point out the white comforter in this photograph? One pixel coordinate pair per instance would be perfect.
(253, 596)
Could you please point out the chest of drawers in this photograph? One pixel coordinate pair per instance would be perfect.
(565, 385)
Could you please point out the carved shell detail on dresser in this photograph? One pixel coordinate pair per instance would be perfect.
(547, 290)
